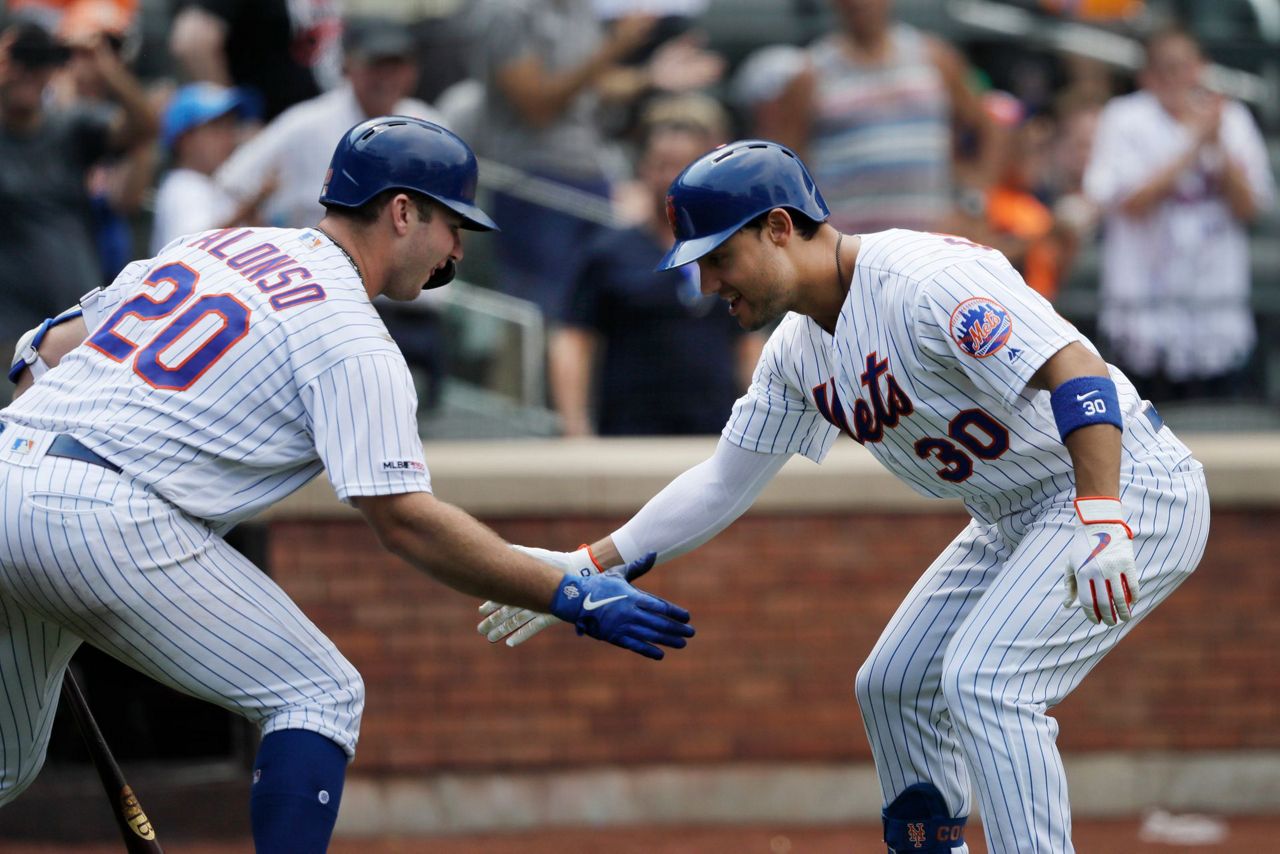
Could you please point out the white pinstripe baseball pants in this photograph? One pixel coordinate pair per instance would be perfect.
(956, 690)
(87, 555)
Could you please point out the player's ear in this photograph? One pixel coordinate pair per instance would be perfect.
(401, 209)
(779, 227)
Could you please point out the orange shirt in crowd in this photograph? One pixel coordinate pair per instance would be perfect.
(1021, 215)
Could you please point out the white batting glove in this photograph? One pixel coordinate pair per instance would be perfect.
(517, 625)
(1101, 574)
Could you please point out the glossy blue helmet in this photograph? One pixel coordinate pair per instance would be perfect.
(403, 153)
(726, 188)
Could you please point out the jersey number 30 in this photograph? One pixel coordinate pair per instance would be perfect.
(989, 442)
(179, 354)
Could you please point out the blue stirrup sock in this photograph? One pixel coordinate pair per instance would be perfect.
(297, 786)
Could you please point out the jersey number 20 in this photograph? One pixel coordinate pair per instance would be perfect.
(174, 359)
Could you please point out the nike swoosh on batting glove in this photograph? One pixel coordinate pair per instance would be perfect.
(608, 608)
(517, 625)
(1101, 574)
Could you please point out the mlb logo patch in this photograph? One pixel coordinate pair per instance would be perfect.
(403, 465)
(22, 446)
(981, 326)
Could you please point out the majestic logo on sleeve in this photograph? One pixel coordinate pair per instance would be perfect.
(981, 326)
(886, 408)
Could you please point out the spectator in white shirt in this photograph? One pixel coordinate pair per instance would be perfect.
(295, 147)
(1179, 172)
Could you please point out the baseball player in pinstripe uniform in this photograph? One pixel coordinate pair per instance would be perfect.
(933, 354)
(201, 386)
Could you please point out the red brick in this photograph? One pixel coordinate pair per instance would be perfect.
(781, 632)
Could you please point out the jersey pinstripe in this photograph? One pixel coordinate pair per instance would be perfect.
(944, 407)
(314, 380)
(928, 369)
(218, 376)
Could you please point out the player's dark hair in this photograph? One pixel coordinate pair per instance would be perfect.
(806, 226)
(368, 213)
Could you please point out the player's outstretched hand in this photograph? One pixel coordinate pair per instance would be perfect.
(517, 625)
(1101, 574)
(608, 608)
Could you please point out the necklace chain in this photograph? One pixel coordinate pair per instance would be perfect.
(345, 253)
(840, 280)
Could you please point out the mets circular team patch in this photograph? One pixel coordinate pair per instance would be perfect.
(981, 326)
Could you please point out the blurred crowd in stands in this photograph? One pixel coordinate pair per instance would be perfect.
(127, 123)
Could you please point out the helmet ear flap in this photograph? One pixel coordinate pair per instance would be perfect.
(442, 277)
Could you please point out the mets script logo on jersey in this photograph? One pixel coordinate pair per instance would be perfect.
(981, 326)
(886, 408)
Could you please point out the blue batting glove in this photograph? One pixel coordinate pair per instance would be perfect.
(637, 567)
(517, 625)
(608, 608)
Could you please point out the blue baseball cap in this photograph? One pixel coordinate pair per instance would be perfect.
(198, 103)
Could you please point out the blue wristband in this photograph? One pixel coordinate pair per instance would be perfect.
(1083, 401)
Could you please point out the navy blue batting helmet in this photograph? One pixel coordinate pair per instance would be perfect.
(403, 153)
(726, 188)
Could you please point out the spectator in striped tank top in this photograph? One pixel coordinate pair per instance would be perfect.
(873, 115)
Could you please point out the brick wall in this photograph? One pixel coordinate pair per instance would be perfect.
(786, 609)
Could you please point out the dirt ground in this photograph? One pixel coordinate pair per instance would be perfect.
(1091, 837)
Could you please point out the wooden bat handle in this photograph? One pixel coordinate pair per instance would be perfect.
(137, 830)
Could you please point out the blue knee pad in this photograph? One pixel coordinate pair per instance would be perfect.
(297, 786)
(918, 821)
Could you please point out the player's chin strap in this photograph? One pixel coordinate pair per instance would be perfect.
(918, 821)
(442, 277)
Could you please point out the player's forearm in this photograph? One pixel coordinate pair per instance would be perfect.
(1094, 448)
(1095, 456)
(58, 340)
(694, 507)
(456, 549)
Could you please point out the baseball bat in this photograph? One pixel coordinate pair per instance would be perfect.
(137, 830)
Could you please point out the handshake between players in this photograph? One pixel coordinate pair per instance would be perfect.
(606, 607)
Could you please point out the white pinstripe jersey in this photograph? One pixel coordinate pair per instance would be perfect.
(928, 369)
(230, 369)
